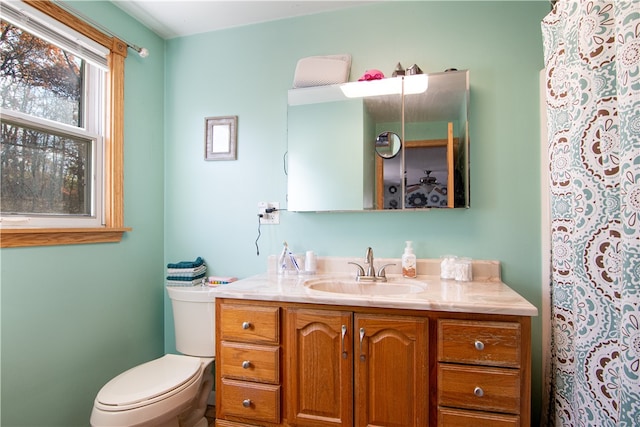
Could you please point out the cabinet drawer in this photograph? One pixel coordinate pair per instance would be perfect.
(458, 418)
(250, 323)
(487, 389)
(250, 362)
(254, 401)
(484, 343)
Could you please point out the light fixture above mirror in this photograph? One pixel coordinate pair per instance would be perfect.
(413, 84)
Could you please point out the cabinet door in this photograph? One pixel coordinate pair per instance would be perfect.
(391, 371)
(319, 368)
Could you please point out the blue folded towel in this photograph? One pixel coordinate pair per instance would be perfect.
(187, 264)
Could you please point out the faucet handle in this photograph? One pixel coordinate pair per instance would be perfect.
(382, 274)
(360, 272)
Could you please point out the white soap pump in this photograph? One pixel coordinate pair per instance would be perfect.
(409, 261)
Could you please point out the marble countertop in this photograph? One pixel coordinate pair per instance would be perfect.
(485, 294)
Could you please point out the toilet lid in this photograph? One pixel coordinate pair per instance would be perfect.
(149, 380)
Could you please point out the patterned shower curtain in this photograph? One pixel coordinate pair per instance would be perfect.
(592, 67)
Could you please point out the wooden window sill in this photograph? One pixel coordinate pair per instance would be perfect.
(20, 237)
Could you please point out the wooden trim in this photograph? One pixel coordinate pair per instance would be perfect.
(114, 171)
(114, 148)
(14, 238)
(426, 143)
(379, 183)
(525, 378)
(59, 14)
(450, 169)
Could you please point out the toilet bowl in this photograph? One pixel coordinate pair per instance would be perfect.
(171, 391)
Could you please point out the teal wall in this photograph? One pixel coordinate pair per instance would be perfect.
(210, 208)
(75, 316)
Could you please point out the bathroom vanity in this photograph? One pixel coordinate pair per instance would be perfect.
(327, 351)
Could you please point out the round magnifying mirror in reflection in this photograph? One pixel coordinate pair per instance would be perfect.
(388, 145)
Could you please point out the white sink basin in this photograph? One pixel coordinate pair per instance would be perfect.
(352, 287)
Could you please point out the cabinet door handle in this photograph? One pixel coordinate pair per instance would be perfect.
(344, 333)
(246, 403)
(246, 364)
(246, 325)
(478, 391)
(479, 345)
(362, 356)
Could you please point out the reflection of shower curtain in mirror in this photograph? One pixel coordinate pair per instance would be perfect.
(592, 67)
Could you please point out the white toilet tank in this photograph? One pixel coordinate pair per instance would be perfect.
(194, 319)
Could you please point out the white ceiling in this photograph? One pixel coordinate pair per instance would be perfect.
(175, 18)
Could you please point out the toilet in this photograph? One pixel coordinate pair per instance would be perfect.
(171, 391)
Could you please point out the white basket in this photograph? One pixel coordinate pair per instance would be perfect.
(322, 70)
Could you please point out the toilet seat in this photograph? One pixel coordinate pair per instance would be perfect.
(148, 383)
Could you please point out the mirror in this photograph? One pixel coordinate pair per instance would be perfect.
(388, 145)
(402, 147)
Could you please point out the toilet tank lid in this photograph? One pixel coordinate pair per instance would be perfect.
(203, 294)
(149, 380)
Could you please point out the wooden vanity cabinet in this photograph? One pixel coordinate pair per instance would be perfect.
(483, 372)
(248, 364)
(339, 360)
(309, 366)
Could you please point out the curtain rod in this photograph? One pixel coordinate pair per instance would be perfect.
(142, 51)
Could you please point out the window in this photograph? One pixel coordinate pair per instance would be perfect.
(61, 159)
(51, 133)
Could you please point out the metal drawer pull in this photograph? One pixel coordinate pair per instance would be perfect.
(246, 364)
(246, 325)
(246, 403)
(362, 356)
(479, 345)
(344, 332)
(478, 391)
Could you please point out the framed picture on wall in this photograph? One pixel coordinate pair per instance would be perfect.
(220, 138)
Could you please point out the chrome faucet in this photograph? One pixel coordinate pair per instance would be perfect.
(369, 275)
(368, 261)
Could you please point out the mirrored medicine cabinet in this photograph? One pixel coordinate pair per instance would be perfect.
(396, 143)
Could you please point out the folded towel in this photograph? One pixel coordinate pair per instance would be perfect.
(187, 264)
(184, 282)
(187, 272)
(185, 279)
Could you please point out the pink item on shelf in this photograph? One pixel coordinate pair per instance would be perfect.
(372, 74)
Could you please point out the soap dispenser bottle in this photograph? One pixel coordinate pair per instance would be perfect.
(409, 261)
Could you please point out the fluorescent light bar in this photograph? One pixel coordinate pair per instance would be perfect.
(413, 84)
(372, 88)
(416, 83)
